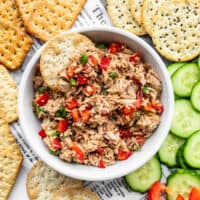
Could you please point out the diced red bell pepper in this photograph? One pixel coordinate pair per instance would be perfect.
(56, 144)
(128, 110)
(71, 72)
(102, 164)
(62, 125)
(179, 197)
(105, 62)
(42, 99)
(42, 133)
(123, 155)
(78, 151)
(125, 133)
(158, 107)
(156, 190)
(89, 106)
(75, 115)
(100, 150)
(139, 96)
(115, 47)
(85, 115)
(135, 58)
(149, 108)
(194, 194)
(93, 60)
(72, 104)
(89, 90)
(140, 140)
(82, 79)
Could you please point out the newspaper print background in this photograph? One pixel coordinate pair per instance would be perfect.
(93, 13)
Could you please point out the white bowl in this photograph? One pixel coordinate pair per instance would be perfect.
(31, 125)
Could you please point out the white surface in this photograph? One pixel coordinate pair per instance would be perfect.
(31, 125)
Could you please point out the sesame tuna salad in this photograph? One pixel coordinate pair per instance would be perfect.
(110, 108)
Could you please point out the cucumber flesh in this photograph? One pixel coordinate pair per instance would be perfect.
(174, 67)
(191, 151)
(168, 150)
(181, 182)
(180, 160)
(195, 96)
(142, 179)
(184, 79)
(185, 120)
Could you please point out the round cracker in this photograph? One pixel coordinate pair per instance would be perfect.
(120, 14)
(57, 54)
(75, 194)
(42, 182)
(177, 36)
(149, 9)
(136, 10)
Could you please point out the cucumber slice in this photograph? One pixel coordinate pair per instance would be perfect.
(195, 96)
(181, 182)
(185, 120)
(174, 67)
(180, 160)
(168, 150)
(184, 79)
(199, 62)
(191, 151)
(142, 179)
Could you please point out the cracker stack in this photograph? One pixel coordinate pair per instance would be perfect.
(10, 160)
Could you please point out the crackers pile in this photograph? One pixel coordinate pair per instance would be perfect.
(45, 183)
(174, 25)
(10, 159)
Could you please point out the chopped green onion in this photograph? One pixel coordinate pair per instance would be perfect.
(61, 112)
(113, 75)
(41, 90)
(72, 82)
(38, 109)
(146, 89)
(137, 147)
(104, 90)
(84, 59)
(52, 133)
(100, 46)
(137, 114)
(55, 153)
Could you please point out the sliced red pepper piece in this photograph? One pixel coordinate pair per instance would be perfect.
(140, 140)
(158, 107)
(75, 115)
(194, 194)
(89, 90)
(101, 150)
(102, 164)
(125, 133)
(135, 58)
(72, 104)
(56, 144)
(42, 133)
(149, 108)
(128, 110)
(62, 125)
(105, 62)
(115, 47)
(93, 60)
(123, 155)
(78, 151)
(156, 190)
(179, 197)
(42, 99)
(82, 79)
(139, 96)
(85, 115)
(71, 72)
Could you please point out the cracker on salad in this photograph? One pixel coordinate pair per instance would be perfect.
(58, 54)
(42, 182)
(176, 36)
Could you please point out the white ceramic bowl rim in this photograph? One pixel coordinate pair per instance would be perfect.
(87, 172)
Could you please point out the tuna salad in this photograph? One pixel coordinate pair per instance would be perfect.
(110, 108)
